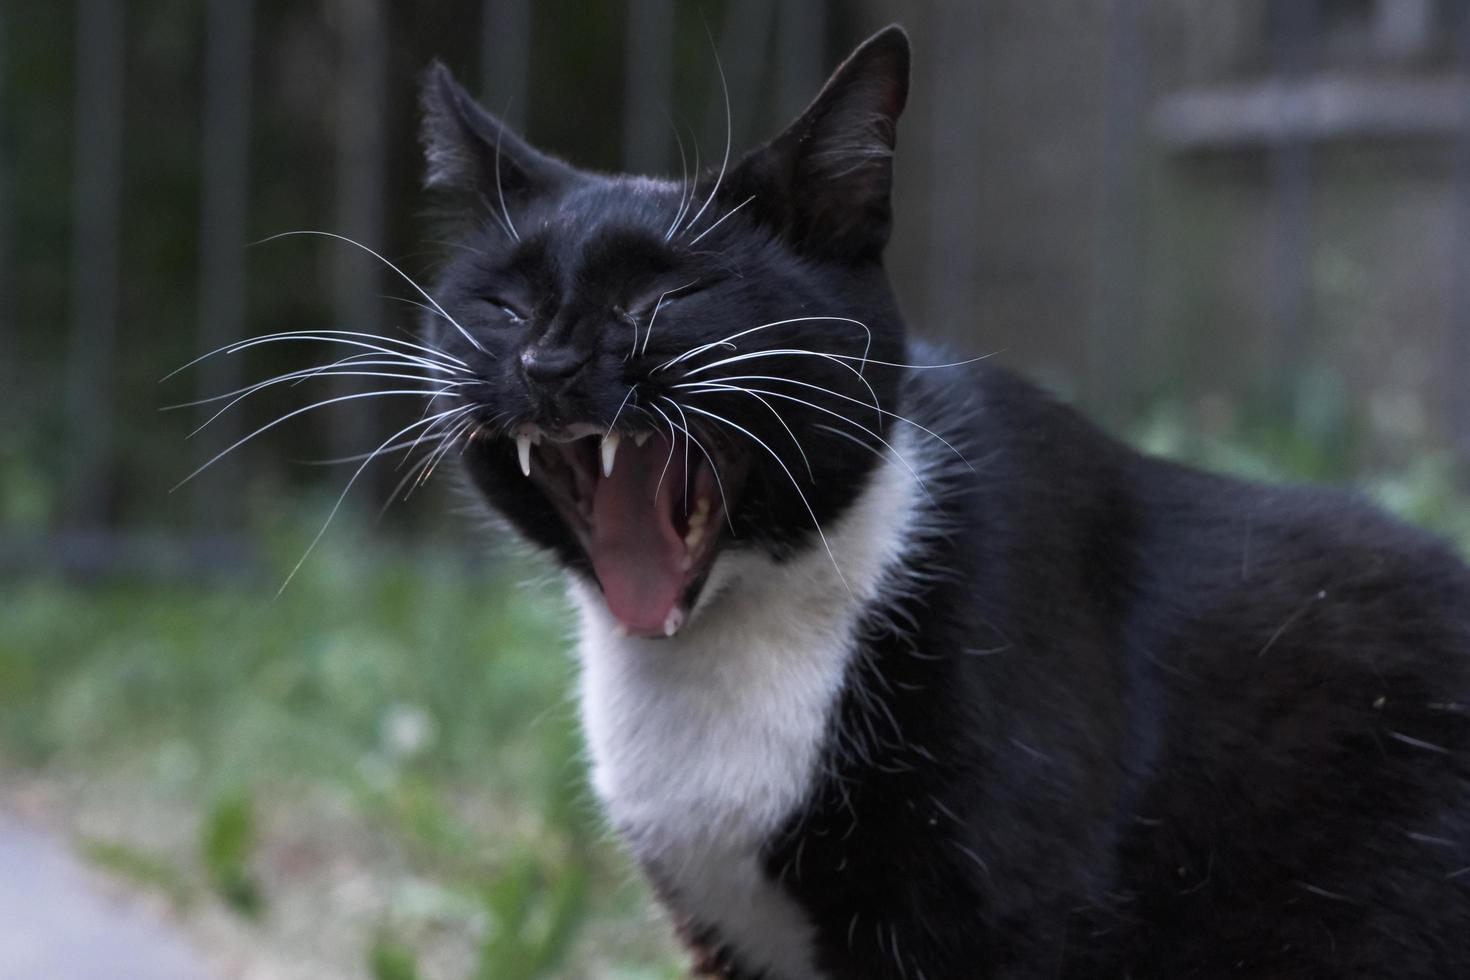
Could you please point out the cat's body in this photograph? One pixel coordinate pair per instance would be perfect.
(913, 674)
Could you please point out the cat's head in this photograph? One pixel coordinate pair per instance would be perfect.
(669, 369)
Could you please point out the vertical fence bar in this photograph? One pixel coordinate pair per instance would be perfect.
(96, 218)
(1114, 319)
(357, 278)
(801, 55)
(956, 179)
(1289, 166)
(1457, 361)
(223, 210)
(744, 46)
(505, 57)
(649, 67)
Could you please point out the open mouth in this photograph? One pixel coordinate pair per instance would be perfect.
(647, 508)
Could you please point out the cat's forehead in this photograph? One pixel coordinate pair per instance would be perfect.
(617, 203)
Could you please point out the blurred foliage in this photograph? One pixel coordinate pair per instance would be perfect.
(429, 694)
(227, 845)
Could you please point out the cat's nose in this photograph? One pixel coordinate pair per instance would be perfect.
(545, 363)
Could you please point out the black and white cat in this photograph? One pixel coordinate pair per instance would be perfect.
(901, 673)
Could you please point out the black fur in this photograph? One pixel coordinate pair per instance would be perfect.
(1127, 719)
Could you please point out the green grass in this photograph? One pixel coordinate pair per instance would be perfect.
(427, 697)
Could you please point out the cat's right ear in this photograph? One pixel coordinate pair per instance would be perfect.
(469, 151)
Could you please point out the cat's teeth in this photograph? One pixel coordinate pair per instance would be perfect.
(673, 621)
(523, 449)
(640, 438)
(686, 563)
(609, 451)
(695, 535)
(701, 513)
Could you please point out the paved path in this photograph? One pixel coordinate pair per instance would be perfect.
(56, 924)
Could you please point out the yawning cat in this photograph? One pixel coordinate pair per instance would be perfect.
(896, 668)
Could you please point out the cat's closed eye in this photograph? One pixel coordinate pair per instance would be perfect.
(505, 309)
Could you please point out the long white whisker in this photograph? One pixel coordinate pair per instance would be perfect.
(729, 135)
(791, 352)
(405, 276)
(801, 401)
(341, 497)
(316, 373)
(500, 188)
(290, 415)
(756, 394)
(781, 463)
(726, 341)
(673, 438)
(696, 238)
(347, 363)
(683, 178)
(321, 336)
(656, 307)
(849, 398)
(715, 470)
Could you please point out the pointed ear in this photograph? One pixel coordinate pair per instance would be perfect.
(467, 150)
(827, 179)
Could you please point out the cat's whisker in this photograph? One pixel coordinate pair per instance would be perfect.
(355, 396)
(754, 393)
(302, 374)
(320, 336)
(794, 485)
(673, 439)
(688, 431)
(683, 178)
(403, 275)
(343, 496)
(499, 222)
(856, 401)
(442, 425)
(729, 136)
(727, 341)
(656, 307)
(314, 373)
(696, 238)
(836, 359)
(838, 415)
(324, 337)
(500, 188)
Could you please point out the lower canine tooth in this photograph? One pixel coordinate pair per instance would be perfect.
(609, 452)
(641, 438)
(673, 621)
(523, 449)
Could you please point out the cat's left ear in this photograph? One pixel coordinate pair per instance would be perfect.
(825, 182)
(468, 150)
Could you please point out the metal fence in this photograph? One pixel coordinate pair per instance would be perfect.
(1140, 201)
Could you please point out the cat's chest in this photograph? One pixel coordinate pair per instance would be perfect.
(705, 744)
(702, 747)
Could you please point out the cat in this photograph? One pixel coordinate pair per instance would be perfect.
(895, 667)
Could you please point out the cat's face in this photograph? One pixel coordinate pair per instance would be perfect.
(669, 369)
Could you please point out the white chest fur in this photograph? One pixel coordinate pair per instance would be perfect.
(704, 743)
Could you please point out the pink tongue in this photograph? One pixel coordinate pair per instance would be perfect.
(636, 550)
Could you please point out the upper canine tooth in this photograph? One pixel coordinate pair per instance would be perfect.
(640, 438)
(523, 449)
(609, 451)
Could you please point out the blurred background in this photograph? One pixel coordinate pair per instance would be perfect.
(1237, 233)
